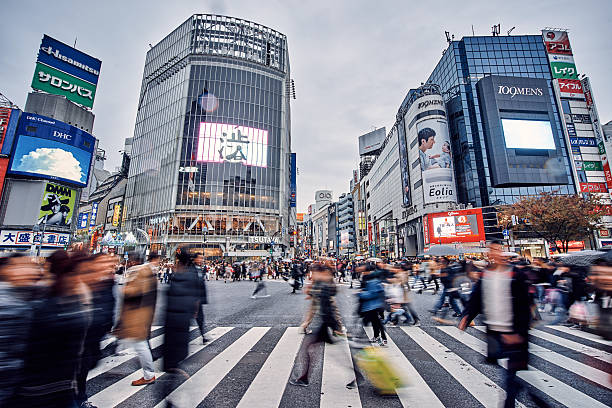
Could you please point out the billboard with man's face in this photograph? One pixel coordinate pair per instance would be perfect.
(57, 205)
(427, 123)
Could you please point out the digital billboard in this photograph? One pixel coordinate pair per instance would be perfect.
(64, 70)
(456, 226)
(57, 205)
(528, 134)
(404, 170)
(220, 142)
(371, 141)
(50, 149)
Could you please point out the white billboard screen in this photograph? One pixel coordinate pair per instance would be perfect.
(528, 134)
(220, 142)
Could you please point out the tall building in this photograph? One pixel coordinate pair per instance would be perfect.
(210, 161)
(346, 225)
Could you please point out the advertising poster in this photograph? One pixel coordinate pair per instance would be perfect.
(404, 170)
(116, 214)
(564, 70)
(436, 161)
(64, 70)
(456, 226)
(220, 142)
(48, 148)
(57, 206)
(82, 220)
(557, 42)
(570, 88)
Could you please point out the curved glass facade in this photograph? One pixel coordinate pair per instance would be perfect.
(210, 161)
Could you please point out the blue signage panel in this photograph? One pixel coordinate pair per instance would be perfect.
(9, 135)
(583, 141)
(58, 55)
(49, 149)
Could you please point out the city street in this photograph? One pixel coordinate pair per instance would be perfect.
(253, 344)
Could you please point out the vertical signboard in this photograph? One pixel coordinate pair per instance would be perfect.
(94, 214)
(604, 143)
(8, 124)
(293, 181)
(403, 162)
(116, 215)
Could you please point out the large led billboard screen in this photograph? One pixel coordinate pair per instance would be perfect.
(528, 134)
(456, 226)
(221, 142)
(49, 149)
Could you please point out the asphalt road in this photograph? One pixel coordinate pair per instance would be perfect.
(253, 351)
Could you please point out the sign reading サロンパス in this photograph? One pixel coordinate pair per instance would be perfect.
(64, 70)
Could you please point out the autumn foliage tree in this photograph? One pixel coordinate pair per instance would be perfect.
(553, 217)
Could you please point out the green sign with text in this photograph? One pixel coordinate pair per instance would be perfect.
(59, 83)
(592, 166)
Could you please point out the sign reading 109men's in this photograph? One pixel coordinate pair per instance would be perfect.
(66, 71)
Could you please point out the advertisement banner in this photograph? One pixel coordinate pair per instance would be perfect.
(82, 220)
(116, 214)
(426, 230)
(50, 149)
(220, 142)
(456, 226)
(8, 125)
(593, 188)
(592, 166)
(404, 170)
(344, 238)
(583, 141)
(57, 205)
(564, 70)
(557, 42)
(28, 238)
(94, 214)
(293, 181)
(63, 57)
(56, 82)
(570, 88)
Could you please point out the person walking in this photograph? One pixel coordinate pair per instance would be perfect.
(97, 272)
(372, 303)
(257, 274)
(18, 296)
(502, 295)
(324, 289)
(55, 341)
(198, 261)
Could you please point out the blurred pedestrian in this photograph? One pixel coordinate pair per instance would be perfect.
(203, 296)
(18, 294)
(97, 272)
(55, 341)
(372, 303)
(502, 295)
(139, 298)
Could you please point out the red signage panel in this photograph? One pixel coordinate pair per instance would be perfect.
(593, 188)
(570, 88)
(456, 226)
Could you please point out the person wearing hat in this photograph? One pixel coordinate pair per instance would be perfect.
(59, 211)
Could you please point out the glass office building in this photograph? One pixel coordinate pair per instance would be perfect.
(210, 163)
(464, 64)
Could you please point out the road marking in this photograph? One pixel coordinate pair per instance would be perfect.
(123, 389)
(337, 372)
(573, 345)
(200, 384)
(582, 334)
(265, 392)
(416, 393)
(557, 390)
(470, 378)
(110, 362)
(573, 366)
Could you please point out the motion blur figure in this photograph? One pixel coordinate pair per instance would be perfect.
(502, 295)
(97, 272)
(134, 328)
(55, 341)
(18, 277)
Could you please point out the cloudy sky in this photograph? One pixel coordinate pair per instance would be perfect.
(352, 60)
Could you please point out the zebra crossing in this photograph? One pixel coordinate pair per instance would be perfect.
(442, 366)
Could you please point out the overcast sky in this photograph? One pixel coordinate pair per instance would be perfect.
(352, 61)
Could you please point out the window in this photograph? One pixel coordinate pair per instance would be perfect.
(416, 163)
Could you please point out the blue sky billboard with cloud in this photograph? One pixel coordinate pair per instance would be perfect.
(49, 149)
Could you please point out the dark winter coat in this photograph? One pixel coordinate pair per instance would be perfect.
(372, 296)
(181, 307)
(521, 314)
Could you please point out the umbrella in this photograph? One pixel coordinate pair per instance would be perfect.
(375, 260)
(442, 250)
(581, 258)
(510, 254)
(307, 260)
(358, 258)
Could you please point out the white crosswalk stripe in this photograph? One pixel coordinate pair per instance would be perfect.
(268, 385)
(582, 334)
(569, 364)
(556, 389)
